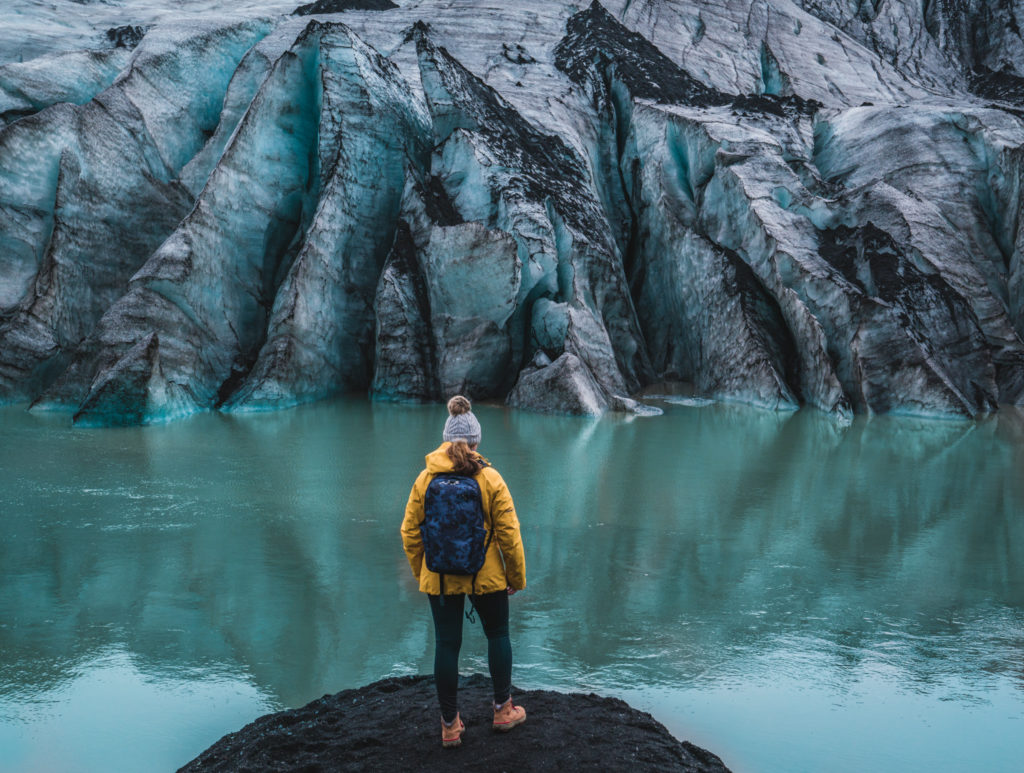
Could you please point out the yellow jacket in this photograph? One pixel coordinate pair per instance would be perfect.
(505, 563)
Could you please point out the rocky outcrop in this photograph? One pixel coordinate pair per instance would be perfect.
(394, 725)
(782, 204)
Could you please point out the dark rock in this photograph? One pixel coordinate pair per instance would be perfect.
(776, 105)
(337, 6)
(127, 36)
(595, 37)
(1003, 85)
(516, 54)
(392, 725)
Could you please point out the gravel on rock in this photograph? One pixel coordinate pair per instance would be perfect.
(394, 725)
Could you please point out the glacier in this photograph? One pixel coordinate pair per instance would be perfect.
(562, 206)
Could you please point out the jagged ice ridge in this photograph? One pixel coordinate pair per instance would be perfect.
(551, 204)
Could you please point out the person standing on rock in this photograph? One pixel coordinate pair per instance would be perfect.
(443, 499)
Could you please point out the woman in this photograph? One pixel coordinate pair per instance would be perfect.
(502, 574)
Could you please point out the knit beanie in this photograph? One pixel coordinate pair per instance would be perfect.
(461, 424)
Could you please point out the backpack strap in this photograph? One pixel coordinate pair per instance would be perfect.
(487, 546)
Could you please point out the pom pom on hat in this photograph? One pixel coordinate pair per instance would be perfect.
(461, 424)
(459, 404)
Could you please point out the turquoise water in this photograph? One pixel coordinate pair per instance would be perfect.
(791, 593)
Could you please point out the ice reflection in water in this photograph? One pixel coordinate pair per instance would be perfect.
(777, 587)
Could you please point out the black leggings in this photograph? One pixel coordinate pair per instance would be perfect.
(493, 610)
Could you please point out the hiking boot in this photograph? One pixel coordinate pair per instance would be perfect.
(507, 716)
(451, 735)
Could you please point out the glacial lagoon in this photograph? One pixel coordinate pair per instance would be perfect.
(790, 592)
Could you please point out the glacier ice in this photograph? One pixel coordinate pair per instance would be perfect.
(320, 335)
(205, 292)
(795, 203)
(74, 76)
(88, 192)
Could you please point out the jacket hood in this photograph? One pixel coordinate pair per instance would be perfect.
(438, 461)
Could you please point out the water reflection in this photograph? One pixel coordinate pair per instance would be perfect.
(710, 548)
(742, 530)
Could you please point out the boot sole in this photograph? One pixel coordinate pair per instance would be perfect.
(504, 727)
(453, 742)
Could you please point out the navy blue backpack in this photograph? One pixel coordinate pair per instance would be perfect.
(455, 537)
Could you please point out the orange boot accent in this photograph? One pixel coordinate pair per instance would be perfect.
(508, 716)
(451, 735)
